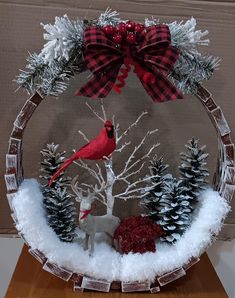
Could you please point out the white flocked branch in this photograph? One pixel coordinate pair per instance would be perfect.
(106, 176)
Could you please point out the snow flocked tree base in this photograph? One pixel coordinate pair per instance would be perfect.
(106, 263)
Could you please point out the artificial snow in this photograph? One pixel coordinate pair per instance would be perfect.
(106, 263)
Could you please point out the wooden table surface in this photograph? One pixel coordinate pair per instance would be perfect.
(31, 281)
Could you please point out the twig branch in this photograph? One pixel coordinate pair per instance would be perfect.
(84, 136)
(134, 196)
(129, 190)
(95, 113)
(128, 164)
(123, 146)
(103, 110)
(135, 172)
(98, 176)
(131, 126)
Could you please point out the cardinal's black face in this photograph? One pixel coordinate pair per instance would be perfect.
(109, 129)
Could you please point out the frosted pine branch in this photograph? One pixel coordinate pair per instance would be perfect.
(109, 17)
(184, 35)
(63, 38)
(151, 22)
(31, 76)
(192, 67)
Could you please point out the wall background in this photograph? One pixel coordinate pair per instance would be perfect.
(59, 120)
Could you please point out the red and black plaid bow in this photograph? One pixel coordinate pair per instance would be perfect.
(153, 55)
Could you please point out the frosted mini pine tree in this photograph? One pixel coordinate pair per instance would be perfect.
(174, 216)
(57, 201)
(192, 169)
(152, 203)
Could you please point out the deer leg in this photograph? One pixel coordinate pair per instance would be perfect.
(92, 238)
(86, 242)
(110, 240)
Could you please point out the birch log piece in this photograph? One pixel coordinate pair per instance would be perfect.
(57, 271)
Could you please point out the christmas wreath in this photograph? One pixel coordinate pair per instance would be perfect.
(179, 216)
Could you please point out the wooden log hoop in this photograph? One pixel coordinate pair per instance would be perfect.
(223, 182)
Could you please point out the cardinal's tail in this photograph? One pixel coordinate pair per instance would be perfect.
(61, 169)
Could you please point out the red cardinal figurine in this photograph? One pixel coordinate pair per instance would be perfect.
(103, 145)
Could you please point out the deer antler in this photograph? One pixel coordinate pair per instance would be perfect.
(91, 192)
(76, 189)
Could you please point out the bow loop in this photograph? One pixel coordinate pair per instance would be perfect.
(156, 38)
(100, 51)
(163, 61)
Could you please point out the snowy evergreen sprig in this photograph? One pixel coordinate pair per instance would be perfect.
(109, 17)
(48, 79)
(64, 37)
(189, 71)
(192, 67)
(151, 22)
(31, 76)
(185, 37)
(55, 78)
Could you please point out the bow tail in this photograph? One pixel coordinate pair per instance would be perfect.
(160, 88)
(99, 86)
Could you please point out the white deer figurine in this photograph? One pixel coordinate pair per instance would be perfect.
(92, 224)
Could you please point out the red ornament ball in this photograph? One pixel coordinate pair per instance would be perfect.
(139, 28)
(121, 28)
(117, 38)
(130, 26)
(109, 30)
(131, 38)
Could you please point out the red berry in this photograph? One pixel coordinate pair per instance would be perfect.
(131, 38)
(121, 28)
(109, 30)
(139, 28)
(130, 26)
(117, 38)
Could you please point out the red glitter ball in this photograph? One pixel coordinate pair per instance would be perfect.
(109, 30)
(139, 28)
(130, 26)
(117, 38)
(131, 38)
(121, 28)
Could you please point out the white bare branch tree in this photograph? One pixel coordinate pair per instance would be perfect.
(105, 179)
